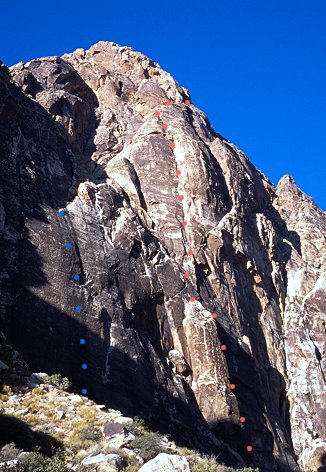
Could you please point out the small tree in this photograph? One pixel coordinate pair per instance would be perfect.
(57, 381)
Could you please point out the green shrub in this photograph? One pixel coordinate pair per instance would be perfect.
(36, 462)
(82, 468)
(135, 427)
(210, 464)
(184, 451)
(206, 464)
(132, 468)
(147, 444)
(89, 433)
(57, 381)
(6, 389)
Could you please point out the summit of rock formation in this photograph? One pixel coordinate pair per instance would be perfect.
(144, 257)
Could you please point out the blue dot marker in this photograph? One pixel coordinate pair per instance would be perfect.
(76, 277)
(68, 245)
(61, 214)
(84, 366)
(78, 308)
(82, 341)
(84, 391)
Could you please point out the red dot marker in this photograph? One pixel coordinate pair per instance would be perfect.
(187, 102)
(168, 104)
(186, 275)
(223, 347)
(181, 197)
(172, 145)
(157, 113)
(214, 315)
(232, 386)
(192, 299)
(242, 419)
(249, 448)
(190, 252)
(184, 223)
(164, 126)
(178, 172)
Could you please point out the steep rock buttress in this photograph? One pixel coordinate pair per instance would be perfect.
(128, 222)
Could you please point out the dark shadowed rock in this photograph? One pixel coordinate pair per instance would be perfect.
(111, 428)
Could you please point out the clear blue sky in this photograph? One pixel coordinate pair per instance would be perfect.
(256, 67)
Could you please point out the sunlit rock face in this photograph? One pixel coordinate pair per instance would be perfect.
(200, 291)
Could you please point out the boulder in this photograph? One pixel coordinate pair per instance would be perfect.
(104, 462)
(166, 463)
(114, 434)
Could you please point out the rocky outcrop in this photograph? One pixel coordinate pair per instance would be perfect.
(304, 322)
(127, 222)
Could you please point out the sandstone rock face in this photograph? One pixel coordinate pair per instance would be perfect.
(195, 286)
(304, 323)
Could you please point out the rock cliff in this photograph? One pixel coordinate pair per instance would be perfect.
(145, 258)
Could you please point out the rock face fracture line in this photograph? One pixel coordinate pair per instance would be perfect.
(223, 347)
